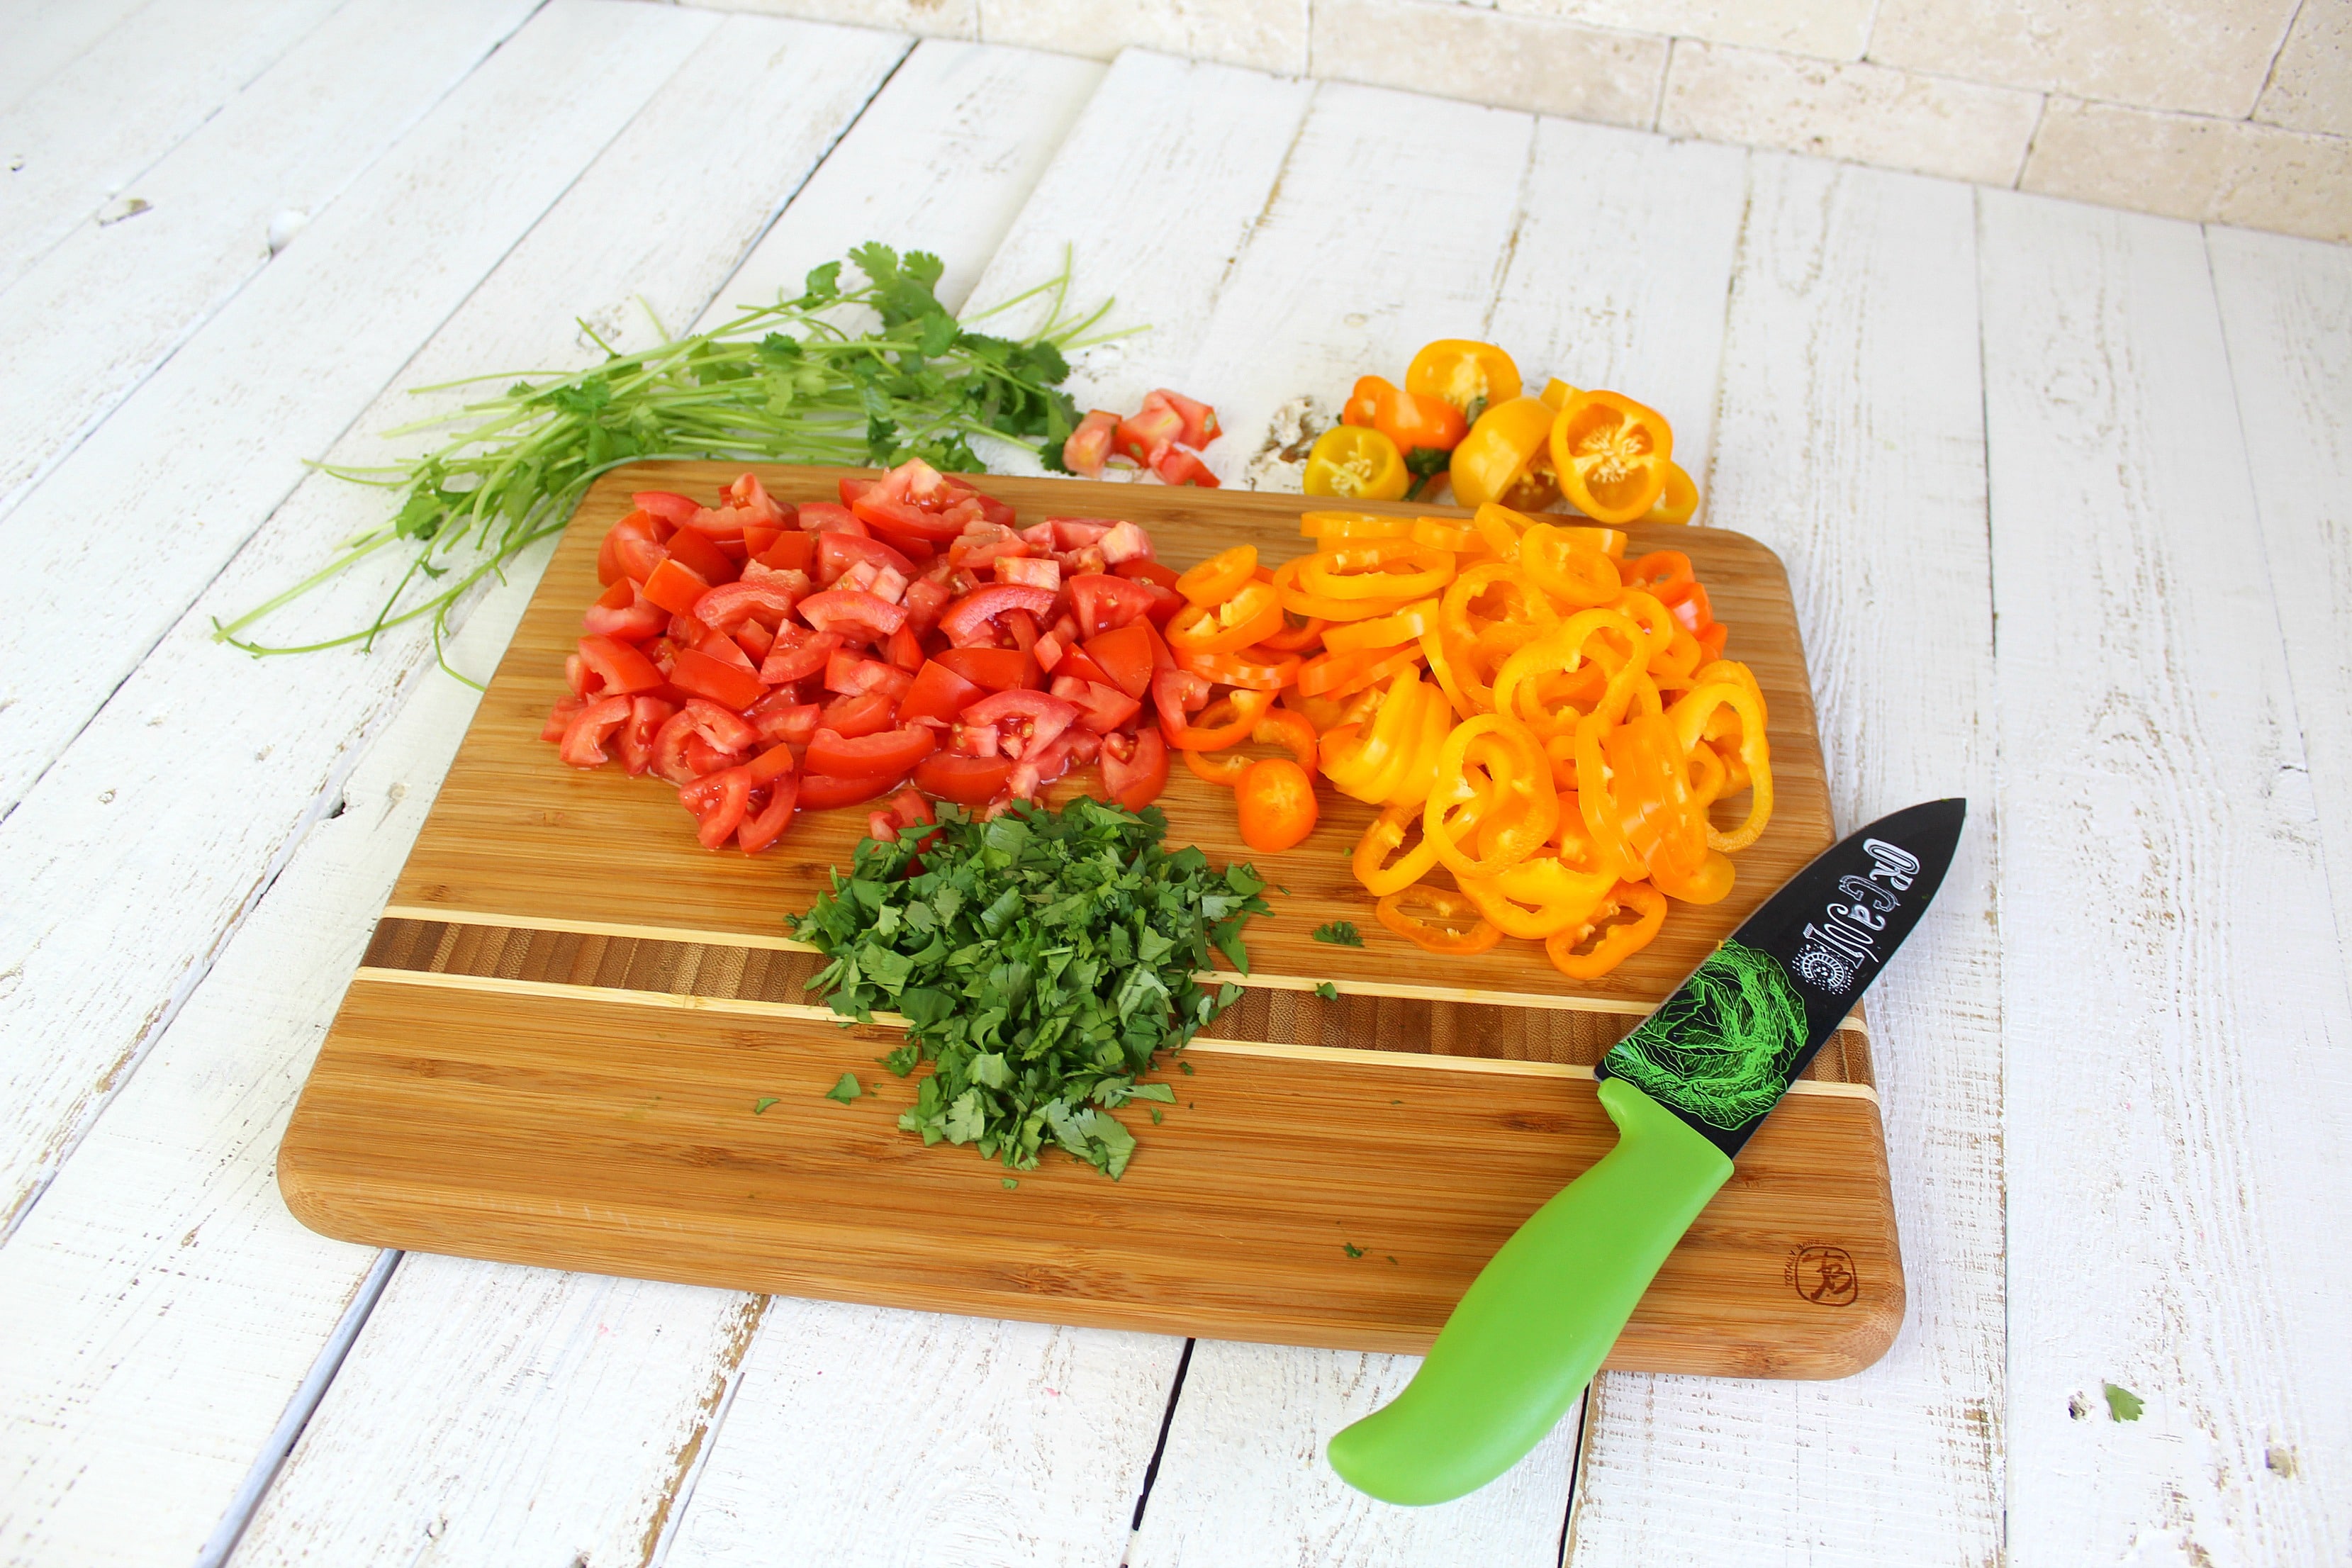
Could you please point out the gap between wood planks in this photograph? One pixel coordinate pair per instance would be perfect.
(214, 1552)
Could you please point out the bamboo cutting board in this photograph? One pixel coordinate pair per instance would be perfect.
(554, 1048)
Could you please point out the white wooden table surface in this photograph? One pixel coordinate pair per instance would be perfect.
(2062, 492)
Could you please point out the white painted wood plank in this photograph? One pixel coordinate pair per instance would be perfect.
(44, 37)
(861, 1436)
(188, 794)
(2178, 1035)
(163, 1307)
(128, 1358)
(1155, 195)
(1244, 1483)
(1331, 287)
(989, 120)
(1851, 443)
(1617, 271)
(2287, 310)
(81, 137)
(95, 315)
(410, 1409)
(223, 428)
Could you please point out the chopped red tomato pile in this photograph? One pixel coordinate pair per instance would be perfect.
(1166, 436)
(766, 658)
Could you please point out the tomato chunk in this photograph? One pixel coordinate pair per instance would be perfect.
(821, 791)
(1026, 721)
(888, 751)
(718, 803)
(1135, 771)
(698, 673)
(991, 668)
(967, 780)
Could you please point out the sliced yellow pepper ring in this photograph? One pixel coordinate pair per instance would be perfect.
(1387, 631)
(1689, 718)
(1676, 500)
(1519, 778)
(1378, 568)
(1521, 690)
(1540, 897)
(1328, 525)
(1567, 569)
(1617, 943)
(1384, 837)
(1252, 613)
(1663, 825)
(1609, 455)
(1368, 763)
(1437, 919)
(1500, 529)
(1357, 463)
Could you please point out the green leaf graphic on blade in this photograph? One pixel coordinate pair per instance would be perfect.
(1720, 1048)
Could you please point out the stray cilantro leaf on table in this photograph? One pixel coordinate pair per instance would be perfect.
(1339, 933)
(1328, 992)
(2123, 1404)
(762, 1108)
(846, 1091)
(1041, 960)
(1351, 1249)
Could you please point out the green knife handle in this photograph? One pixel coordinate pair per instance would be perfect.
(1534, 1326)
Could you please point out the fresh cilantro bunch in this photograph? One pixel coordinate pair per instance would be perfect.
(781, 382)
(1041, 960)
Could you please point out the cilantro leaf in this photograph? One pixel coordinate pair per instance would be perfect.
(2123, 1404)
(1351, 1249)
(846, 1090)
(1339, 933)
(1328, 992)
(762, 1108)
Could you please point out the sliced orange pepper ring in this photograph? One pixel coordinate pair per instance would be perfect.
(1437, 919)
(1385, 837)
(1280, 727)
(1720, 689)
(1298, 638)
(1227, 721)
(1610, 455)
(1617, 943)
(1445, 533)
(1385, 631)
(1298, 601)
(1254, 668)
(1220, 577)
(1253, 612)
(1337, 525)
(1567, 569)
(1377, 569)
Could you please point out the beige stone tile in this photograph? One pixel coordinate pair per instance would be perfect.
(1832, 29)
(1270, 34)
(1507, 62)
(2219, 171)
(1865, 113)
(2204, 56)
(926, 18)
(2311, 84)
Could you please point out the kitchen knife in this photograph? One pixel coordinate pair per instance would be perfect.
(1686, 1090)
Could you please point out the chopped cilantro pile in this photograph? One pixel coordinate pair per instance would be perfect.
(1339, 933)
(1041, 960)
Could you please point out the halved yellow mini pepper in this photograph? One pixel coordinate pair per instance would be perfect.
(1357, 463)
(1505, 458)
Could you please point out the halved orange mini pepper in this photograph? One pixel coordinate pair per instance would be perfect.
(1413, 421)
(1362, 465)
(1473, 376)
(1610, 455)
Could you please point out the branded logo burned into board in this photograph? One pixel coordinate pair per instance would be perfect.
(1823, 1275)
